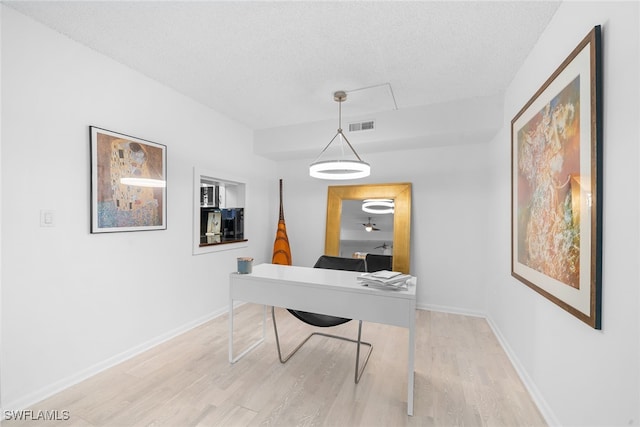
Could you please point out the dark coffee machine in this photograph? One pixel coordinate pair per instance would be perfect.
(232, 227)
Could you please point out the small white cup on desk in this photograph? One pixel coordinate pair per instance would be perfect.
(245, 265)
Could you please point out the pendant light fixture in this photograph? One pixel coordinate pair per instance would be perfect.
(343, 168)
(378, 206)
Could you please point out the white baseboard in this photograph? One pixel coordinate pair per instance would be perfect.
(452, 310)
(49, 390)
(530, 385)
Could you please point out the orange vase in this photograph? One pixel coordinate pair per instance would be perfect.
(281, 249)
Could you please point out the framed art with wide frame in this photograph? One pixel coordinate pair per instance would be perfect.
(556, 182)
(128, 183)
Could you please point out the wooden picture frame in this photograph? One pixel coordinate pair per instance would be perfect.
(128, 183)
(400, 193)
(556, 182)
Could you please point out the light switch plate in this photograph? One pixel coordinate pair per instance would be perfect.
(47, 218)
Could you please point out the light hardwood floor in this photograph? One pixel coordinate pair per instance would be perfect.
(462, 378)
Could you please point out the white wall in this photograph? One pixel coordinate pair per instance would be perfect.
(73, 302)
(580, 376)
(449, 216)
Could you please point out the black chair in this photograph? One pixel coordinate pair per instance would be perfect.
(325, 321)
(377, 262)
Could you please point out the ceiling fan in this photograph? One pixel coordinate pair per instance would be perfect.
(370, 227)
(383, 246)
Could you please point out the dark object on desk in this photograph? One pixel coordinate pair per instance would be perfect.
(377, 262)
(325, 321)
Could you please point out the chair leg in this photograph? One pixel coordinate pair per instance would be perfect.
(359, 342)
(275, 329)
(358, 373)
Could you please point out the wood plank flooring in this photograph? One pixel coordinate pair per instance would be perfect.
(462, 378)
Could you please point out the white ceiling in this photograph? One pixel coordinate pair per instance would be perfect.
(269, 64)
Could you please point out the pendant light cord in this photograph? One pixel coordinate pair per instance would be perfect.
(336, 135)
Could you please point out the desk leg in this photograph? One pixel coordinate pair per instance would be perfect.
(252, 346)
(410, 368)
(230, 330)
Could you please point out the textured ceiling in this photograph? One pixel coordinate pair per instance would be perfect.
(271, 64)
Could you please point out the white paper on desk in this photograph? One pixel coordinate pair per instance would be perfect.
(371, 277)
(385, 274)
(395, 282)
(396, 287)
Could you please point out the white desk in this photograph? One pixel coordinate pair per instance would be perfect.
(332, 292)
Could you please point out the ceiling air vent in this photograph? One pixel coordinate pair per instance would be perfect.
(360, 126)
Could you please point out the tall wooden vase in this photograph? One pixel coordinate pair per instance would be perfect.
(281, 249)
